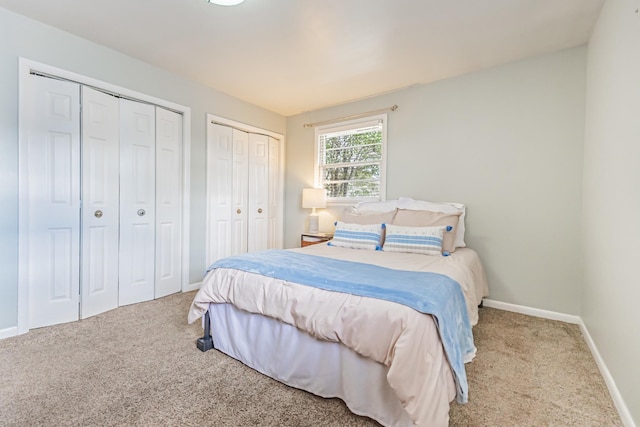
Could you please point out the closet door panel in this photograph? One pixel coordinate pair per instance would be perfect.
(258, 228)
(137, 202)
(274, 192)
(219, 180)
(168, 202)
(239, 186)
(54, 201)
(100, 206)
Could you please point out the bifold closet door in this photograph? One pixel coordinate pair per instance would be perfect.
(274, 206)
(53, 152)
(168, 263)
(137, 202)
(100, 202)
(219, 183)
(101, 228)
(227, 191)
(258, 229)
(240, 203)
(244, 192)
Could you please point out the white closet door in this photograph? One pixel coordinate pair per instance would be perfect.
(54, 201)
(168, 202)
(240, 206)
(258, 229)
(137, 202)
(244, 192)
(219, 191)
(227, 191)
(275, 189)
(100, 196)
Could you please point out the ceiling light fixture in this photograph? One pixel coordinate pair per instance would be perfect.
(226, 2)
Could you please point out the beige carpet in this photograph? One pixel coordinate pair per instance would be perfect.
(138, 366)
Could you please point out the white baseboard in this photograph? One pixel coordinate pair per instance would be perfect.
(618, 401)
(8, 332)
(192, 287)
(536, 312)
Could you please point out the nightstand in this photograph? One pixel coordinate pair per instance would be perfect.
(307, 239)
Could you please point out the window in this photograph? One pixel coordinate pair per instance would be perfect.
(351, 159)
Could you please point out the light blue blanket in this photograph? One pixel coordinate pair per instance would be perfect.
(429, 293)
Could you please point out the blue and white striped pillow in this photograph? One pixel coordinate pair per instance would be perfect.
(357, 236)
(419, 240)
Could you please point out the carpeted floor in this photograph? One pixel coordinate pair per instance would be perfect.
(138, 366)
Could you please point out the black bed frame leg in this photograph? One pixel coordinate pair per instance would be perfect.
(206, 342)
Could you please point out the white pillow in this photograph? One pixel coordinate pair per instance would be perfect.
(370, 207)
(418, 240)
(420, 205)
(357, 236)
(368, 217)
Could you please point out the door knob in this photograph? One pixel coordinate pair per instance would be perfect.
(141, 212)
(259, 210)
(238, 211)
(98, 214)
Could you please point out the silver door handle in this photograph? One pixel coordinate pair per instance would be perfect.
(98, 214)
(141, 212)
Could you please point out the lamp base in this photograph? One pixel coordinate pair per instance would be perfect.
(314, 221)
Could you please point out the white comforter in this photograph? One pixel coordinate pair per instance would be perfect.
(392, 334)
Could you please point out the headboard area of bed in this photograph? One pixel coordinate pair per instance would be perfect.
(407, 212)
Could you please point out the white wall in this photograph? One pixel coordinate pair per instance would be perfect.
(507, 142)
(611, 208)
(27, 38)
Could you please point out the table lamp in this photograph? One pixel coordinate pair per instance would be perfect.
(313, 198)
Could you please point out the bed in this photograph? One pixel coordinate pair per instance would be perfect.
(398, 359)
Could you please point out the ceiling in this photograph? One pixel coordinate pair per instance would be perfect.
(292, 56)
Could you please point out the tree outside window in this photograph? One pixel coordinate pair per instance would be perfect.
(351, 159)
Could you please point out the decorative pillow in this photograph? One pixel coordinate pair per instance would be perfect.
(419, 240)
(420, 205)
(410, 218)
(357, 236)
(367, 218)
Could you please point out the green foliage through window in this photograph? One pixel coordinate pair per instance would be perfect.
(350, 161)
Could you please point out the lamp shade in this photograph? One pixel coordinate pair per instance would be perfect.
(314, 198)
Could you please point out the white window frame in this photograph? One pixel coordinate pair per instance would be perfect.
(338, 126)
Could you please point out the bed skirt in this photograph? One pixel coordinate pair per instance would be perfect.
(295, 358)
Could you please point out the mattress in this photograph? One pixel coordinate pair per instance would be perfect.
(406, 343)
(295, 358)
